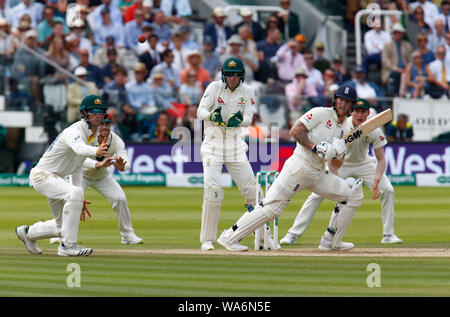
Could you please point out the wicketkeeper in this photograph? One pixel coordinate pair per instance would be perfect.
(226, 106)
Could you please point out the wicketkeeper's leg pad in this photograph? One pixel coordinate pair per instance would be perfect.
(212, 202)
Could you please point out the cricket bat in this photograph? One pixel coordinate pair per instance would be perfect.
(368, 126)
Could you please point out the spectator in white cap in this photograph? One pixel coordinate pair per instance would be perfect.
(76, 91)
(256, 29)
(218, 31)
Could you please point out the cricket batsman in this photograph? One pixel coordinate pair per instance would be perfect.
(97, 175)
(226, 106)
(318, 134)
(357, 164)
(65, 157)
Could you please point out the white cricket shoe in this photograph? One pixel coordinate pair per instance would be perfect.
(391, 238)
(73, 250)
(31, 245)
(235, 247)
(207, 246)
(131, 238)
(326, 245)
(55, 241)
(289, 238)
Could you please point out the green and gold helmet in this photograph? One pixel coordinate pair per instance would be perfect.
(93, 104)
(233, 67)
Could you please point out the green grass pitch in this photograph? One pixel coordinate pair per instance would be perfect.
(169, 219)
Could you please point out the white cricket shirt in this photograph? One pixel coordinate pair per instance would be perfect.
(322, 124)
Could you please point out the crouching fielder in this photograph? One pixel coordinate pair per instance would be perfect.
(65, 157)
(318, 134)
(97, 175)
(357, 164)
(229, 99)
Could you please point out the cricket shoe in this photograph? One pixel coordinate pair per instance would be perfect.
(207, 246)
(131, 238)
(327, 245)
(391, 238)
(55, 241)
(31, 245)
(289, 238)
(235, 247)
(73, 250)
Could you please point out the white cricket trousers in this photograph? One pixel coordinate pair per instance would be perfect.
(109, 188)
(242, 174)
(366, 171)
(66, 202)
(296, 175)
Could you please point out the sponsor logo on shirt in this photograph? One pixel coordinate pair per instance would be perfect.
(241, 101)
(309, 117)
(382, 138)
(252, 101)
(219, 100)
(329, 124)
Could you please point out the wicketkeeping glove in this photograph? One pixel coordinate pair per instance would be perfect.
(216, 117)
(235, 120)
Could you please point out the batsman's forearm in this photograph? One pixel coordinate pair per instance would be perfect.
(300, 133)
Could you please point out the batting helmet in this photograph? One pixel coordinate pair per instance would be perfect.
(346, 92)
(233, 66)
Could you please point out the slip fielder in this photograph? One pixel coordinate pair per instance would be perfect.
(97, 175)
(225, 106)
(357, 164)
(318, 134)
(64, 157)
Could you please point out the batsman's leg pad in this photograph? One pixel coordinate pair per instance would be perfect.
(344, 212)
(43, 230)
(212, 202)
(251, 221)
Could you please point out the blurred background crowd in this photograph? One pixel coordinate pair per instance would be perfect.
(47, 66)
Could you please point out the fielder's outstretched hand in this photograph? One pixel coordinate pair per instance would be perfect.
(376, 190)
(103, 149)
(119, 163)
(105, 163)
(85, 209)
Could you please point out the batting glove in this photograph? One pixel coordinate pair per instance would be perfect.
(216, 117)
(324, 150)
(235, 120)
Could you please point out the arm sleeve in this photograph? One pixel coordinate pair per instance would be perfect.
(89, 163)
(249, 109)
(206, 103)
(76, 141)
(312, 118)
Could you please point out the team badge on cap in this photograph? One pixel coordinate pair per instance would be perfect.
(232, 64)
(97, 101)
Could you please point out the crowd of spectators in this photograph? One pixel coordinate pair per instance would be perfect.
(154, 86)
